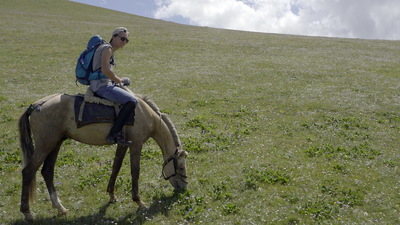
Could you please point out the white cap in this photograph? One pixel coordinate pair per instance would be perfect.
(119, 30)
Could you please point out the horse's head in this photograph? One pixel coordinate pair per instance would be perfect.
(174, 170)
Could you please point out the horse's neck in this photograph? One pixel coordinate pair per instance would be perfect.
(164, 139)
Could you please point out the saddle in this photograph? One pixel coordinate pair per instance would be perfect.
(90, 108)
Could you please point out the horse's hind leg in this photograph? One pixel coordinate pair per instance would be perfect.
(28, 188)
(29, 182)
(48, 175)
(118, 159)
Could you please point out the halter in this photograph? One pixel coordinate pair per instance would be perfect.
(175, 160)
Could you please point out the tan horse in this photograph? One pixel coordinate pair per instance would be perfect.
(51, 120)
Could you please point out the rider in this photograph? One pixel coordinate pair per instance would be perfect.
(105, 86)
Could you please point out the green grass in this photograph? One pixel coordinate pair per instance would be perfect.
(280, 129)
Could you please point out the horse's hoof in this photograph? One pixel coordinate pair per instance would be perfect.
(113, 199)
(142, 206)
(28, 217)
(63, 212)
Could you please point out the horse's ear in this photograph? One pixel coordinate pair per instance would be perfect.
(182, 153)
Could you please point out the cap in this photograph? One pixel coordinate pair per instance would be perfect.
(120, 29)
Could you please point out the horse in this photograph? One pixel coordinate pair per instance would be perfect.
(49, 121)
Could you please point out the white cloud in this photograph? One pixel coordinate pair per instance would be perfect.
(335, 18)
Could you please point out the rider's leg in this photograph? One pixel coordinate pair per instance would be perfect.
(128, 102)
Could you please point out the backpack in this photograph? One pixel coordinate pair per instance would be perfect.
(84, 63)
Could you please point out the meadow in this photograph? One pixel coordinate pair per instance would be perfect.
(280, 129)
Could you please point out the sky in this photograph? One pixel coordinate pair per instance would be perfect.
(366, 19)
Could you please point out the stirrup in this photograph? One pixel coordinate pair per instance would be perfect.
(118, 139)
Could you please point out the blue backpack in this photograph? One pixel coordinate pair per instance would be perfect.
(84, 65)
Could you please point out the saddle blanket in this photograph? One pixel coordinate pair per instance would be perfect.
(94, 113)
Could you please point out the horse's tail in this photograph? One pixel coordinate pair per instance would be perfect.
(27, 146)
(25, 138)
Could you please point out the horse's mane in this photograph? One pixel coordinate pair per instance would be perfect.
(164, 118)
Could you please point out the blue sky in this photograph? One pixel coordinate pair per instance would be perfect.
(137, 7)
(146, 8)
(369, 19)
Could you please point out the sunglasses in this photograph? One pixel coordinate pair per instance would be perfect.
(124, 39)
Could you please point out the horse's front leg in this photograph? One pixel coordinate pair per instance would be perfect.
(135, 172)
(118, 159)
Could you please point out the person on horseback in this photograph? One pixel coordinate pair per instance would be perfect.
(108, 86)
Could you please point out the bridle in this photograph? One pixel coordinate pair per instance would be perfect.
(173, 158)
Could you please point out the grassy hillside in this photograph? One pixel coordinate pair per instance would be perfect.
(280, 129)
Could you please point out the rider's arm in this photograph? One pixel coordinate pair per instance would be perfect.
(106, 67)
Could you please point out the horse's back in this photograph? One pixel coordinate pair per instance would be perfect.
(52, 108)
(48, 118)
(55, 116)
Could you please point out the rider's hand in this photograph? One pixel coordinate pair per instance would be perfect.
(126, 81)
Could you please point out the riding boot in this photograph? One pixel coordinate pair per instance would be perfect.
(115, 136)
